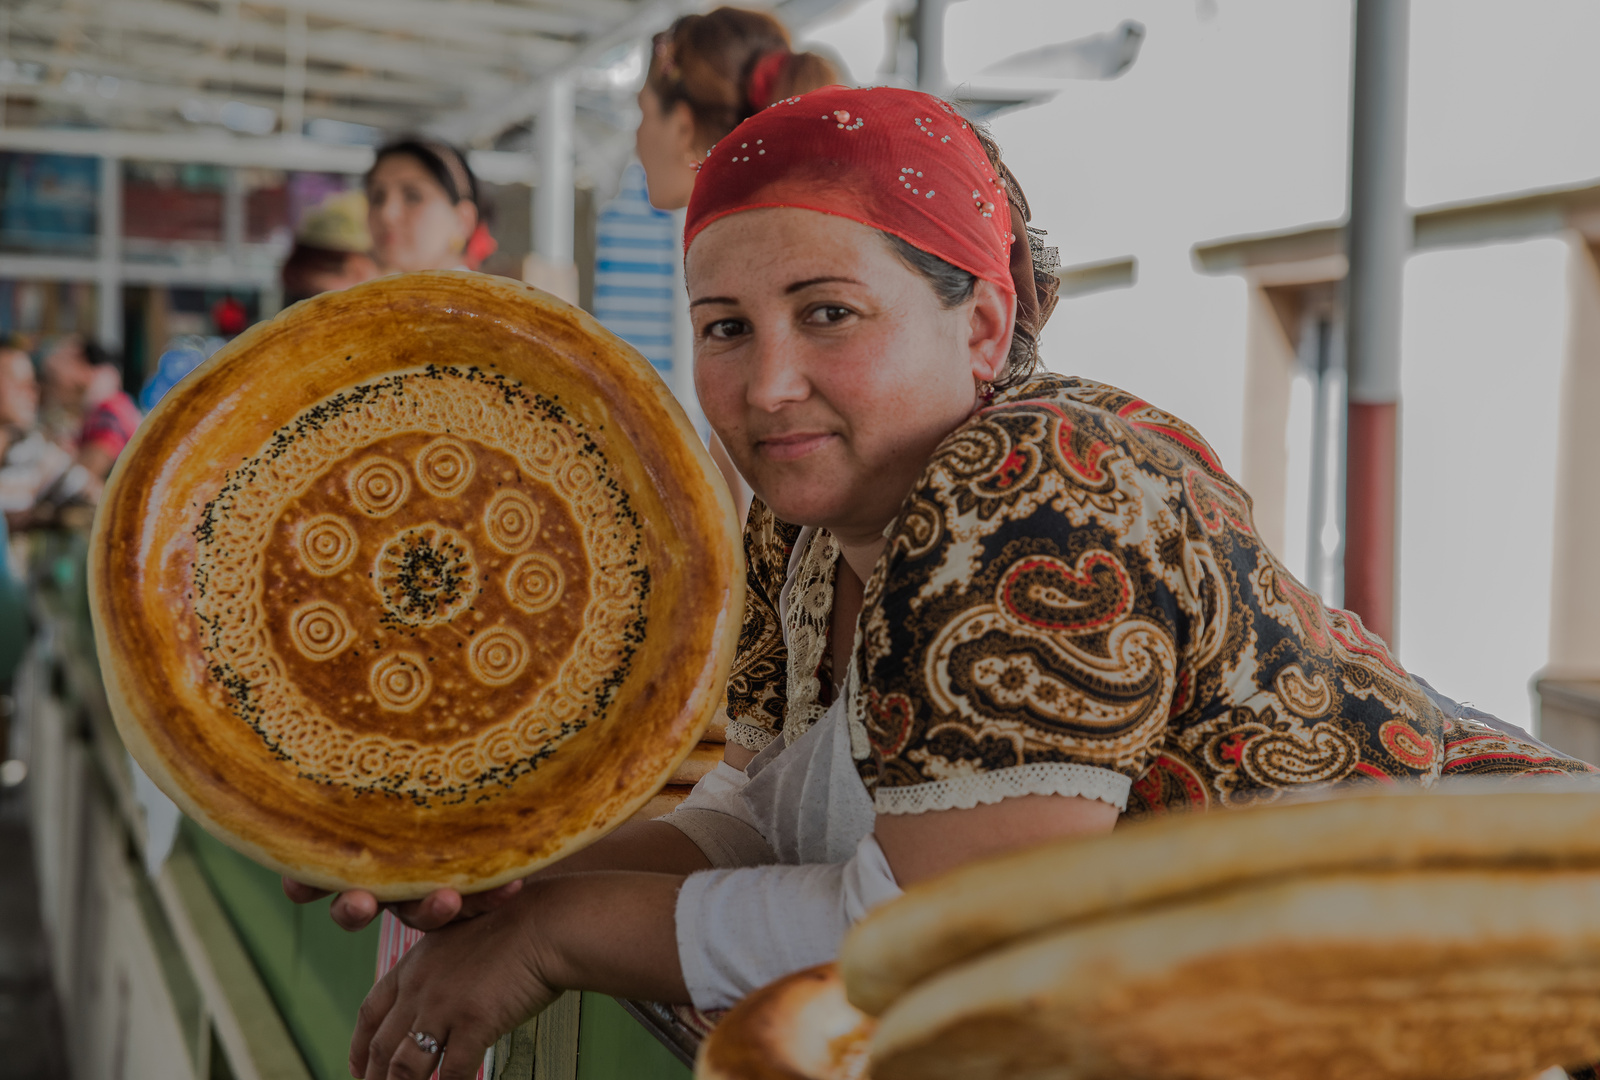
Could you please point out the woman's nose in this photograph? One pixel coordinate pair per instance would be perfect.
(778, 376)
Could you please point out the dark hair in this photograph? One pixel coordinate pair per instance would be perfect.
(99, 355)
(954, 287)
(447, 165)
(707, 62)
(1036, 291)
(307, 263)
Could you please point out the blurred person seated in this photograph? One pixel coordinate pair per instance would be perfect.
(29, 462)
(184, 353)
(331, 249)
(84, 376)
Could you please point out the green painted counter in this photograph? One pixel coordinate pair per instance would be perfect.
(318, 975)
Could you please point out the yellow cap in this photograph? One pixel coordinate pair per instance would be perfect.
(337, 223)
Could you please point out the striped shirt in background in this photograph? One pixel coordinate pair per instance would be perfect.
(637, 246)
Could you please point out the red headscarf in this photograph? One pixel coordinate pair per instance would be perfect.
(896, 160)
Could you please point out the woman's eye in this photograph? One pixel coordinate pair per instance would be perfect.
(725, 329)
(828, 314)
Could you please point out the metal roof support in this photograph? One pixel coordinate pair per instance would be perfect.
(1377, 238)
(929, 27)
(108, 276)
(233, 216)
(680, 377)
(553, 204)
(294, 72)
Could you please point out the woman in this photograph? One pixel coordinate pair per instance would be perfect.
(707, 74)
(988, 607)
(423, 209)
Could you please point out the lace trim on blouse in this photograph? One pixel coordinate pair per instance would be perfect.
(1036, 778)
(749, 736)
(806, 625)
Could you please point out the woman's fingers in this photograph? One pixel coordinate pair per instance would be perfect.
(444, 906)
(480, 903)
(354, 909)
(410, 1061)
(438, 908)
(300, 892)
(373, 1012)
(463, 1056)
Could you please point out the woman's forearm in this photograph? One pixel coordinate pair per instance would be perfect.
(647, 846)
(609, 930)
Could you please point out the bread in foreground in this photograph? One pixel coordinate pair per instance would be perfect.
(425, 583)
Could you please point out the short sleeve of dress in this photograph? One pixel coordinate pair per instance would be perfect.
(757, 683)
(1022, 633)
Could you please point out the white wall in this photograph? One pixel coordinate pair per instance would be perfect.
(1228, 125)
(1237, 123)
(1484, 338)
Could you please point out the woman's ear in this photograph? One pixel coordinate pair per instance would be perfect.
(466, 221)
(680, 123)
(991, 315)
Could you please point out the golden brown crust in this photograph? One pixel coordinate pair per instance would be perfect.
(799, 1027)
(1477, 974)
(424, 583)
(960, 915)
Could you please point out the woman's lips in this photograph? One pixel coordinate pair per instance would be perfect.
(792, 447)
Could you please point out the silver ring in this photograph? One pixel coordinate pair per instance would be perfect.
(428, 1043)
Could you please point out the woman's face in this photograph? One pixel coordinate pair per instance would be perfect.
(665, 145)
(413, 223)
(828, 367)
(19, 390)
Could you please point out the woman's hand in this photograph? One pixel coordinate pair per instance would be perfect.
(470, 983)
(355, 909)
(464, 986)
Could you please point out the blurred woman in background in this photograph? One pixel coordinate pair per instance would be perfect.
(423, 209)
(707, 74)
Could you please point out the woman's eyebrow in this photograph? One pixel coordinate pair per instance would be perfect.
(808, 282)
(712, 300)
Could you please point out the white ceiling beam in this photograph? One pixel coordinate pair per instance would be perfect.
(500, 18)
(495, 167)
(207, 148)
(486, 121)
(158, 19)
(171, 99)
(170, 66)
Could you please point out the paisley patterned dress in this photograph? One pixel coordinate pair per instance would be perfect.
(1074, 600)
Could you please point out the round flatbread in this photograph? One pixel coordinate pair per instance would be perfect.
(1416, 975)
(986, 905)
(799, 1027)
(425, 583)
